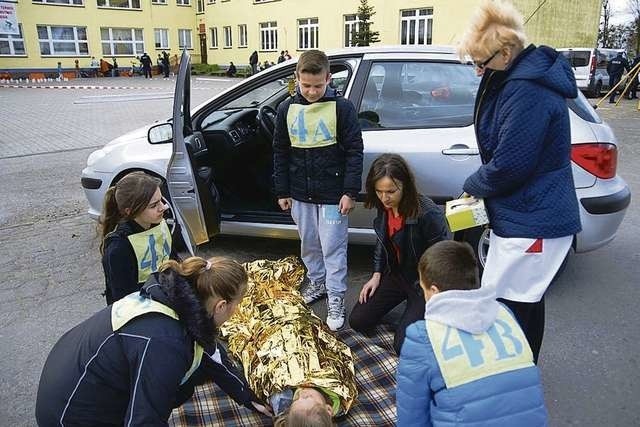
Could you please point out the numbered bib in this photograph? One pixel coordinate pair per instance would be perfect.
(152, 247)
(133, 305)
(313, 125)
(464, 357)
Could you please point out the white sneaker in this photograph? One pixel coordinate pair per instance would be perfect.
(335, 313)
(313, 292)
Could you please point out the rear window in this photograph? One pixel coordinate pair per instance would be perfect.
(583, 109)
(577, 58)
(418, 95)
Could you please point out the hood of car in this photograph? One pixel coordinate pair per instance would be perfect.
(140, 133)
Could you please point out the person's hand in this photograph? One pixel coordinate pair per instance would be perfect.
(285, 203)
(465, 195)
(347, 204)
(369, 288)
(263, 409)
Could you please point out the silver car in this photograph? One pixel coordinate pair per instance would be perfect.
(216, 160)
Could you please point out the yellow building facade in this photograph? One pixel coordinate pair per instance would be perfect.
(220, 31)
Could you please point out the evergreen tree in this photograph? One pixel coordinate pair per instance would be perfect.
(364, 36)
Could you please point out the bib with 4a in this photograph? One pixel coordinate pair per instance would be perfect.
(152, 247)
(464, 357)
(313, 125)
(134, 305)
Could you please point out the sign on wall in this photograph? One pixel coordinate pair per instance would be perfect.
(9, 18)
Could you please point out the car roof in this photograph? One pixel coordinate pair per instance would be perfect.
(437, 49)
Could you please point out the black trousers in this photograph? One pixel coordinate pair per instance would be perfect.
(613, 80)
(146, 71)
(392, 291)
(530, 316)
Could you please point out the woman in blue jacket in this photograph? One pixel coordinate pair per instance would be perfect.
(522, 130)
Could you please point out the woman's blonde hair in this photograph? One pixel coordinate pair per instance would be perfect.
(316, 416)
(496, 24)
(217, 277)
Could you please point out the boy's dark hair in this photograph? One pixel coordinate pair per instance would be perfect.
(395, 167)
(449, 265)
(313, 62)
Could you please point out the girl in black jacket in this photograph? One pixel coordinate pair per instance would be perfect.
(137, 359)
(406, 225)
(135, 237)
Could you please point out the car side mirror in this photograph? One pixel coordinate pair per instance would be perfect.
(160, 134)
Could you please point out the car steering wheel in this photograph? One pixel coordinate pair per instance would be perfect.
(267, 119)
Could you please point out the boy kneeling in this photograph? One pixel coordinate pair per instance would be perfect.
(468, 362)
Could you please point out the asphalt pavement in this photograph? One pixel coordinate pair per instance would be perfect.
(52, 278)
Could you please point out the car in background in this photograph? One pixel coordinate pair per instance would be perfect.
(590, 67)
(216, 160)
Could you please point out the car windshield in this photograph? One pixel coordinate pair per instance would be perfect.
(260, 95)
(418, 94)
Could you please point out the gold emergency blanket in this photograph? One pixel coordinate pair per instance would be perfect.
(279, 340)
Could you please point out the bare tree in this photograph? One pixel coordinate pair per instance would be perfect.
(634, 9)
(604, 31)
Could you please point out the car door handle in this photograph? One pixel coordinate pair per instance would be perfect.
(460, 150)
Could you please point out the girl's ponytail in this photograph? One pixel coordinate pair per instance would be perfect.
(110, 216)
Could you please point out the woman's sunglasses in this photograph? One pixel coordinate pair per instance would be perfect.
(481, 65)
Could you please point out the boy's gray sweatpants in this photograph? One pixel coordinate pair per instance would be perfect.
(323, 233)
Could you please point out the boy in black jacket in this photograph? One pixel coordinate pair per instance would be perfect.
(318, 169)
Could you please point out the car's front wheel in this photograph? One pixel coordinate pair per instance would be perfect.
(478, 238)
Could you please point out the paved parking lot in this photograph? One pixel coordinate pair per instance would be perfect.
(51, 274)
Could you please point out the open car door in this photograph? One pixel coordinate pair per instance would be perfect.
(181, 178)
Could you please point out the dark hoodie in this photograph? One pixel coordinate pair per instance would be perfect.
(523, 132)
(318, 174)
(95, 376)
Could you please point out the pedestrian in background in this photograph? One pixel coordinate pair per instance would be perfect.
(523, 133)
(59, 70)
(114, 69)
(77, 68)
(253, 61)
(165, 64)
(232, 70)
(94, 64)
(146, 62)
(281, 58)
(633, 88)
(615, 68)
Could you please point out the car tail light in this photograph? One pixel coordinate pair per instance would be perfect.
(598, 159)
(592, 68)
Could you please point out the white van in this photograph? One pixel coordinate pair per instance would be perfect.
(590, 67)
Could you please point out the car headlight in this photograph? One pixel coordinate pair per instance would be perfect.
(95, 156)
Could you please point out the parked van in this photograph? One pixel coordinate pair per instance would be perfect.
(590, 67)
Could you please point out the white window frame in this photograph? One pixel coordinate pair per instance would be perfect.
(213, 32)
(164, 41)
(211, 1)
(181, 38)
(51, 41)
(242, 35)
(60, 2)
(228, 37)
(308, 32)
(199, 6)
(183, 2)
(112, 43)
(107, 5)
(351, 26)
(10, 39)
(164, 2)
(268, 36)
(423, 15)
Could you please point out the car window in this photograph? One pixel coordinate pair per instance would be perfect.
(583, 109)
(577, 58)
(418, 94)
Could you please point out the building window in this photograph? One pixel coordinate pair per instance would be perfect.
(308, 33)
(183, 2)
(158, 1)
(214, 37)
(122, 41)
(228, 41)
(120, 4)
(269, 36)
(62, 41)
(351, 27)
(161, 36)
(416, 26)
(65, 2)
(242, 35)
(12, 45)
(184, 39)
(200, 6)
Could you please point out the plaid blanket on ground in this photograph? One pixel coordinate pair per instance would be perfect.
(375, 365)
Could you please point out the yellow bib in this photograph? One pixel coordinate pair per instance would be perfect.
(464, 357)
(152, 247)
(134, 305)
(313, 125)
